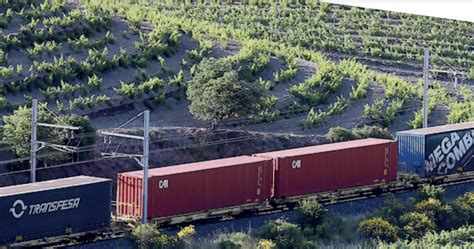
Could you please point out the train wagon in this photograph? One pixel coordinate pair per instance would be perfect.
(196, 187)
(335, 166)
(436, 151)
(52, 208)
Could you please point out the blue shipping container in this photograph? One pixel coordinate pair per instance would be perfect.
(436, 151)
(52, 208)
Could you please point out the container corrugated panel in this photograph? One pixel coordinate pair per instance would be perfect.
(411, 153)
(196, 187)
(437, 151)
(335, 166)
(53, 208)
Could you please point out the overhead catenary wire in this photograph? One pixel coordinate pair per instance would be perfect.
(95, 146)
(243, 122)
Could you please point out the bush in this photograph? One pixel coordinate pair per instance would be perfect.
(129, 90)
(265, 244)
(186, 234)
(339, 134)
(463, 209)
(436, 210)
(378, 228)
(372, 131)
(309, 213)
(4, 104)
(314, 118)
(94, 82)
(459, 238)
(151, 84)
(415, 225)
(282, 233)
(374, 111)
(234, 241)
(429, 191)
(392, 210)
(146, 235)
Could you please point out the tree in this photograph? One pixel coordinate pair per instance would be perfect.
(378, 228)
(218, 93)
(17, 131)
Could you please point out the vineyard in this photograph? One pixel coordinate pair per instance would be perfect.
(318, 65)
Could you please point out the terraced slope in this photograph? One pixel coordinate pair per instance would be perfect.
(111, 59)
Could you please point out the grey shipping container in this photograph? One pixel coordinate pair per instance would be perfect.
(53, 208)
(436, 151)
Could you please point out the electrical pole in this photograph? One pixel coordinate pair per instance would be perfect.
(142, 159)
(146, 156)
(425, 87)
(34, 149)
(35, 142)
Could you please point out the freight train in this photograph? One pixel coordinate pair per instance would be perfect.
(234, 185)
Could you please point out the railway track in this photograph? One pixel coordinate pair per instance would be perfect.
(121, 228)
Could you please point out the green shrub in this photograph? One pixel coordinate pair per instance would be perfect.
(6, 72)
(4, 104)
(372, 131)
(129, 90)
(429, 191)
(314, 118)
(415, 225)
(151, 84)
(94, 82)
(374, 111)
(459, 238)
(309, 213)
(282, 233)
(338, 107)
(463, 209)
(340, 134)
(461, 112)
(378, 228)
(146, 235)
(234, 241)
(393, 108)
(393, 209)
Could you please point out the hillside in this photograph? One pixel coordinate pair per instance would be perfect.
(321, 65)
(86, 60)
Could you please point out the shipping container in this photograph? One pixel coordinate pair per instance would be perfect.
(436, 151)
(196, 187)
(52, 208)
(334, 166)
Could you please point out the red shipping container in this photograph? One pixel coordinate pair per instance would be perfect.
(334, 166)
(196, 187)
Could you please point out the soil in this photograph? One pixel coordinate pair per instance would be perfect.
(173, 120)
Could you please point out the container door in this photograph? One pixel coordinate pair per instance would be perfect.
(386, 163)
(259, 181)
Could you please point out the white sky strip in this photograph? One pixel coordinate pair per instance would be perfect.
(452, 9)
